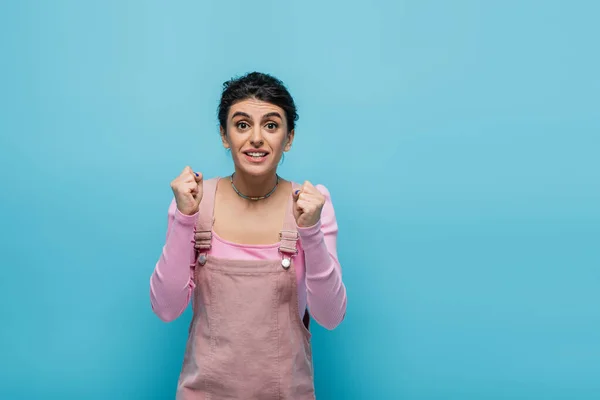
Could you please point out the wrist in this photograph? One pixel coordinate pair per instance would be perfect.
(310, 236)
(187, 208)
(184, 218)
(310, 229)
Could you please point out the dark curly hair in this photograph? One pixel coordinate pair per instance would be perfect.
(259, 86)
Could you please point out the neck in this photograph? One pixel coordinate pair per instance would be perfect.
(252, 186)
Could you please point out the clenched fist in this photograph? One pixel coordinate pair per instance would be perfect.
(187, 188)
(308, 203)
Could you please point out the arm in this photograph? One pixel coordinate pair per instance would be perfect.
(171, 283)
(326, 293)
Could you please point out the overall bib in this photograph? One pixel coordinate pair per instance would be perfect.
(246, 339)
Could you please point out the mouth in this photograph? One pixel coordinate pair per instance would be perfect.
(256, 155)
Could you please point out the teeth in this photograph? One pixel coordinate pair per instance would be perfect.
(257, 154)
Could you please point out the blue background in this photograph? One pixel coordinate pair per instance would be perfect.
(460, 141)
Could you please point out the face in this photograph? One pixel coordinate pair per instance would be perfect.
(257, 135)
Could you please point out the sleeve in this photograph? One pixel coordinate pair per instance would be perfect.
(326, 292)
(171, 282)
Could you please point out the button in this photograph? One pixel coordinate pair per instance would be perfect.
(285, 263)
(202, 259)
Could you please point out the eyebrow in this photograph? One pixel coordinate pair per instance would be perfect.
(268, 115)
(272, 114)
(240, 114)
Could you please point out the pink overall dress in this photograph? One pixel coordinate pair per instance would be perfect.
(246, 339)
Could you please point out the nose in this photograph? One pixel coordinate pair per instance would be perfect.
(256, 139)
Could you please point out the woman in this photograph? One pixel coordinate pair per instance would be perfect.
(253, 252)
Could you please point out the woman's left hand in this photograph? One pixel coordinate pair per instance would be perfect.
(308, 203)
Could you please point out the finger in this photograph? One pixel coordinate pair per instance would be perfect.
(305, 197)
(309, 187)
(190, 187)
(191, 177)
(309, 197)
(303, 205)
(188, 179)
(305, 187)
(188, 170)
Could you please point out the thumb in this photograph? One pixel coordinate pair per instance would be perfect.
(296, 193)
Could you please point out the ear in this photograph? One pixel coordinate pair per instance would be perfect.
(290, 139)
(224, 138)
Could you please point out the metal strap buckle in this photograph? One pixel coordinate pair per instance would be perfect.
(293, 235)
(288, 250)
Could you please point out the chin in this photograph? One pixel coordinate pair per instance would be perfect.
(256, 170)
(264, 167)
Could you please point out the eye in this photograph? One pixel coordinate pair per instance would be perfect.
(242, 125)
(271, 126)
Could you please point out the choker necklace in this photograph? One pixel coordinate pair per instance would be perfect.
(251, 197)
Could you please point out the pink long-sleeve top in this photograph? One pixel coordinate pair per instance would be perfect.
(318, 271)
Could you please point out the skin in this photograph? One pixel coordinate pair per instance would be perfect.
(252, 125)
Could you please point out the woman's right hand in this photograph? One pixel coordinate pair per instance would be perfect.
(187, 188)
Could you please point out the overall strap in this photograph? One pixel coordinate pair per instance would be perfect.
(288, 244)
(204, 224)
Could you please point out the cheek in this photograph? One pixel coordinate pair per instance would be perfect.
(235, 143)
(283, 143)
(276, 144)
